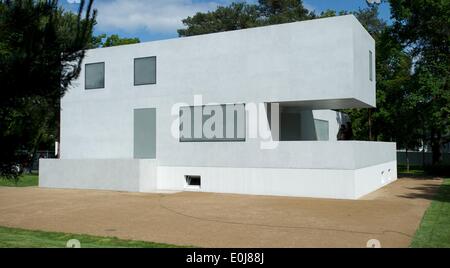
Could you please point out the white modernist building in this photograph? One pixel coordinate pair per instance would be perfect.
(248, 112)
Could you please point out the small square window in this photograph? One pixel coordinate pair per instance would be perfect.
(94, 75)
(145, 71)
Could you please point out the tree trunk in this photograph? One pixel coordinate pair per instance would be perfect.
(436, 147)
(33, 154)
(58, 128)
(424, 142)
(407, 161)
(423, 157)
(370, 124)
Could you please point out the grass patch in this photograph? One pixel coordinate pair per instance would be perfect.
(434, 230)
(413, 170)
(19, 238)
(442, 170)
(24, 181)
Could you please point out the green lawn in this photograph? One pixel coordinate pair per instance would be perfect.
(19, 238)
(24, 181)
(413, 171)
(434, 230)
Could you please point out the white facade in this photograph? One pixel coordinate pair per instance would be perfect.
(307, 68)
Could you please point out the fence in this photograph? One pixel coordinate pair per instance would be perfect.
(419, 158)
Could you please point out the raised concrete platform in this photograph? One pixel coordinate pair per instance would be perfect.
(131, 175)
(320, 183)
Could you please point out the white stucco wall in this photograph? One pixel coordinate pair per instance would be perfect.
(305, 182)
(296, 154)
(130, 175)
(302, 61)
(318, 64)
(147, 176)
(365, 89)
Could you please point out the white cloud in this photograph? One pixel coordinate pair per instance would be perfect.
(73, 1)
(159, 16)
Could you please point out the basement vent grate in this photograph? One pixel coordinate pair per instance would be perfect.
(192, 180)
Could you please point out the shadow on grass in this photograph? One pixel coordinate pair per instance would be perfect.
(431, 192)
(433, 231)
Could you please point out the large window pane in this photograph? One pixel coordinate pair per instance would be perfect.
(322, 130)
(145, 71)
(212, 123)
(95, 75)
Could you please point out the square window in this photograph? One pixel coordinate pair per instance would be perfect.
(145, 71)
(94, 75)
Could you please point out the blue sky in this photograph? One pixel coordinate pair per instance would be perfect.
(159, 19)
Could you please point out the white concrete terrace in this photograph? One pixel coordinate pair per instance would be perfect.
(287, 154)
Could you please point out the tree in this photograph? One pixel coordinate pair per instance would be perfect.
(423, 28)
(412, 95)
(331, 13)
(96, 41)
(283, 11)
(243, 15)
(395, 117)
(234, 17)
(377, 28)
(41, 49)
(115, 40)
(69, 19)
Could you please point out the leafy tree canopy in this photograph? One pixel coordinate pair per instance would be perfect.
(423, 29)
(112, 41)
(95, 41)
(41, 49)
(243, 15)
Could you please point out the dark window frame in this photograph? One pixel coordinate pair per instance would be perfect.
(134, 71)
(85, 75)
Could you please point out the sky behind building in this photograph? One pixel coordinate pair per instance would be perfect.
(159, 19)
